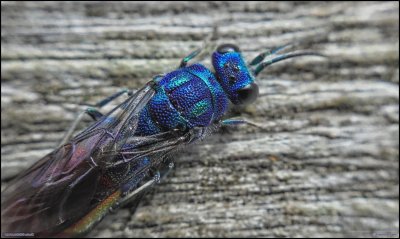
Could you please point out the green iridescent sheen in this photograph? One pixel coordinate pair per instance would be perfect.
(176, 83)
(199, 108)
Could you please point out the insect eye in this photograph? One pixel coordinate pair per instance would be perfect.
(227, 48)
(248, 94)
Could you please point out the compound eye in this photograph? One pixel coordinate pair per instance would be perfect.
(227, 48)
(248, 94)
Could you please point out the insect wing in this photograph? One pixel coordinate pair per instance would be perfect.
(59, 189)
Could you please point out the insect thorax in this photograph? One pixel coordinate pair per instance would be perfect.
(186, 98)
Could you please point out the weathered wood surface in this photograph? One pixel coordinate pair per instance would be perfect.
(325, 162)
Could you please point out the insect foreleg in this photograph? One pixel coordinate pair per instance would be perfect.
(186, 59)
(202, 52)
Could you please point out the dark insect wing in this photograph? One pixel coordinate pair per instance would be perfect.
(66, 184)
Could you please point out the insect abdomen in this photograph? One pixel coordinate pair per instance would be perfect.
(186, 98)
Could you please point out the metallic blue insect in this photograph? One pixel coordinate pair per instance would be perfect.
(123, 153)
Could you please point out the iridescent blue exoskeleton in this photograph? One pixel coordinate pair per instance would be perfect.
(116, 159)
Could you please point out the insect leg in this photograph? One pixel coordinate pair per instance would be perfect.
(92, 112)
(232, 122)
(139, 192)
(133, 199)
(186, 59)
(208, 46)
(112, 97)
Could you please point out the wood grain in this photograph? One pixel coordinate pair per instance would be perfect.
(324, 163)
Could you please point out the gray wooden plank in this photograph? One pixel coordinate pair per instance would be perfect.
(325, 162)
